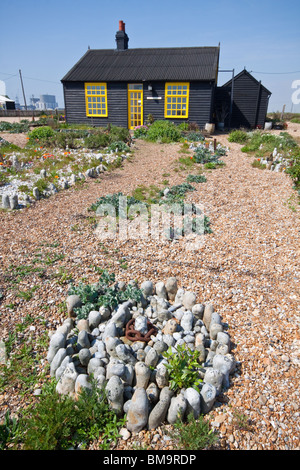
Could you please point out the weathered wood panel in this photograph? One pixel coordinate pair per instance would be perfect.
(200, 103)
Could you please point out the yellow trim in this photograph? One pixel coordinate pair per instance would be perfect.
(177, 100)
(96, 99)
(135, 105)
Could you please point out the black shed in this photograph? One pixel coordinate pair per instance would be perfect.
(123, 86)
(242, 101)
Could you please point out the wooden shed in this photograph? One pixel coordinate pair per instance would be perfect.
(122, 86)
(243, 101)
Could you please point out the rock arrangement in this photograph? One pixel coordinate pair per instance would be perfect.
(13, 198)
(134, 373)
(275, 161)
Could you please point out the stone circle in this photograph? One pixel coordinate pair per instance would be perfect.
(134, 372)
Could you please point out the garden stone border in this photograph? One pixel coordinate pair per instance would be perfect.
(134, 374)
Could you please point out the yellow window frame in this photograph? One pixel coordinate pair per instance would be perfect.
(96, 99)
(177, 96)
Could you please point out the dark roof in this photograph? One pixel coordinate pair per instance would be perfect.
(186, 63)
(245, 72)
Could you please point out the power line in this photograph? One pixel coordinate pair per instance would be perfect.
(28, 78)
(277, 73)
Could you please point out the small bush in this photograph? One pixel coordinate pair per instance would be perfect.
(196, 179)
(193, 435)
(96, 140)
(140, 132)
(41, 133)
(57, 422)
(240, 137)
(163, 131)
(183, 367)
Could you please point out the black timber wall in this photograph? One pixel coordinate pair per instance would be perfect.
(250, 102)
(200, 103)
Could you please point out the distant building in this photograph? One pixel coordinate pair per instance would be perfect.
(46, 102)
(6, 103)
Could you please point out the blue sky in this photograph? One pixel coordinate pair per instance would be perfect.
(45, 38)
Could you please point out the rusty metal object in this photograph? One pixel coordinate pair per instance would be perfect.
(134, 335)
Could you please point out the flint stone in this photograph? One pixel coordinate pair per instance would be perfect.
(83, 324)
(171, 288)
(13, 201)
(115, 367)
(189, 300)
(222, 349)
(57, 360)
(105, 313)
(60, 370)
(193, 402)
(151, 358)
(84, 356)
(160, 290)
(170, 327)
(208, 310)
(83, 339)
(208, 396)
(152, 393)
(177, 409)
(223, 338)
(94, 319)
(5, 201)
(114, 389)
(82, 382)
(160, 346)
(215, 378)
(95, 367)
(66, 383)
(187, 321)
(73, 301)
(158, 413)
(140, 324)
(142, 374)
(198, 311)
(110, 330)
(121, 317)
(162, 376)
(214, 329)
(111, 342)
(36, 193)
(147, 288)
(124, 354)
(57, 341)
(224, 364)
(137, 415)
(179, 296)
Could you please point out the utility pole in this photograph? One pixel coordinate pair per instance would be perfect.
(23, 90)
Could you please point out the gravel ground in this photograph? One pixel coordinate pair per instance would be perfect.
(248, 268)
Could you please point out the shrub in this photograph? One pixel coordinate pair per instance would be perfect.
(140, 132)
(240, 137)
(257, 164)
(183, 367)
(97, 140)
(294, 169)
(102, 293)
(196, 179)
(163, 131)
(193, 435)
(41, 133)
(57, 422)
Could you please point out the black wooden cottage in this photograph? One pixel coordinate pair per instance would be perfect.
(242, 102)
(123, 86)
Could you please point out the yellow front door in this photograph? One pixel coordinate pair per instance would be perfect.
(135, 105)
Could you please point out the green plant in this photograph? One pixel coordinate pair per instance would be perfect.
(103, 293)
(196, 179)
(193, 435)
(163, 131)
(238, 136)
(183, 367)
(140, 132)
(8, 431)
(42, 134)
(96, 140)
(57, 422)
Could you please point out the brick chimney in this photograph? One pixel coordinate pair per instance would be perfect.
(121, 37)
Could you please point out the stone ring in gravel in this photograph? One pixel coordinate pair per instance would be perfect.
(135, 335)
